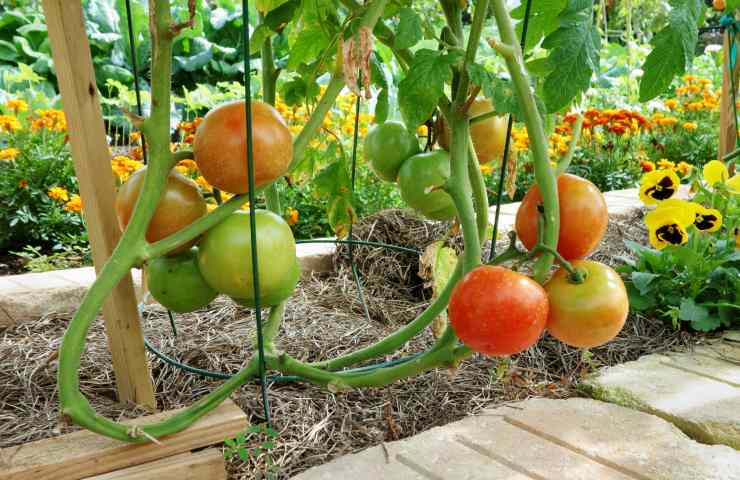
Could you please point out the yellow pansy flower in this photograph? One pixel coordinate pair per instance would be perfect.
(715, 171)
(707, 219)
(658, 186)
(733, 184)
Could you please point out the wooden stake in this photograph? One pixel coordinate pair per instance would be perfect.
(728, 128)
(92, 157)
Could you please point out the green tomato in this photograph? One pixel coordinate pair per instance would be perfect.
(422, 172)
(176, 282)
(387, 146)
(225, 258)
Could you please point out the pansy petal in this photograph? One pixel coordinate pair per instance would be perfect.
(715, 171)
(733, 184)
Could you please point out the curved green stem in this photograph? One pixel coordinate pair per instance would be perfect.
(564, 162)
(574, 275)
(544, 175)
(480, 197)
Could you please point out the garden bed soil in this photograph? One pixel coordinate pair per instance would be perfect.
(323, 319)
(11, 264)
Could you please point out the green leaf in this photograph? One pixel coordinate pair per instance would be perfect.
(307, 46)
(334, 183)
(281, 16)
(382, 106)
(259, 35)
(698, 315)
(500, 91)
(265, 6)
(8, 51)
(543, 20)
(424, 83)
(673, 48)
(409, 30)
(639, 302)
(642, 281)
(574, 57)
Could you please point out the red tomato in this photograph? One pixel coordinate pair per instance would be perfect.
(583, 217)
(497, 311)
(220, 146)
(586, 314)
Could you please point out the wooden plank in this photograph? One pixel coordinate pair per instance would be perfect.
(83, 454)
(91, 155)
(727, 129)
(204, 465)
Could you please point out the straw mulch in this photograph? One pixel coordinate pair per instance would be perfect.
(323, 319)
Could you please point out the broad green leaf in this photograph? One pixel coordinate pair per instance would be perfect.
(543, 20)
(381, 106)
(500, 91)
(265, 6)
(673, 48)
(24, 45)
(642, 281)
(698, 315)
(574, 57)
(259, 35)
(639, 302)
(281, 16)
(424, 83)
(409, 30)
(307, 46)
(8, 51)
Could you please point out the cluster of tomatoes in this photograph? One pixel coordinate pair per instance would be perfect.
(497, 311)
(220, 260)
(394, 155)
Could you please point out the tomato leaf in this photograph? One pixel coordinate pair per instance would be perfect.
(424, 83)
(264, 6)
(574, 55)
(673, 48)
(307, 46)
(543, 20)
(500, 91)
(409, 30)
(335, 184)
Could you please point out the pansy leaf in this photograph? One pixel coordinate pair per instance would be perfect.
(698, 315)
(642, 281)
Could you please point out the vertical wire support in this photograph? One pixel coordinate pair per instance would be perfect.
(505, 159)
(252, 219)
(135, 71)
(355, 273)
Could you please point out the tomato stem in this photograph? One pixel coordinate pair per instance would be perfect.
(575, 275)
(544, 176)
(564, 162)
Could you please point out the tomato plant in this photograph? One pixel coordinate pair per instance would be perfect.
(220, 146)
(176, 282)
(497, 311)
(180, 205)
(387, 146)
(583, 217)
(590, 313)
(421, 180)
(489, 135)
(225, 256)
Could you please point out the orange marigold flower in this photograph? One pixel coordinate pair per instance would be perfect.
(647, 166)
(668, 121)
(189, 138)
(135, 137)
(665, 164)
(137, 153)
(671, 103)
(23, 184)
(690, 126)
(74, 204)
(292, 215)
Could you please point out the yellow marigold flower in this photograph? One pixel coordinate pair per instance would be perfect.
(17, 105)
(58, 193)
(694, 88)
(688, 78)
(667, 121)
(684, 168)
(74, 204)
(707, 219)
(9, 153)
(705, 81)
(203, 183)
(681, 90)
(486, 169)
(182, 170)
(671, 103)
(658, 186)
(23, 184)
(51, 119)
(135, 137)
(422, 130)
(666, 164)
(715, 171)
(124, 166)
(9, 123)
(690, 126)
(188, 164)
(292, 216)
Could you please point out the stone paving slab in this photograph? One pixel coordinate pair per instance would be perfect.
(699, 392)
(574, 439)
